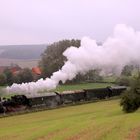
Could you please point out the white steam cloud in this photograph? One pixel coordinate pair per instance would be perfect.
(117, 51)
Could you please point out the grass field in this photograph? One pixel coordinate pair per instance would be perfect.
(102, 120)
(79, 86)
(110, 79)
(82, 86)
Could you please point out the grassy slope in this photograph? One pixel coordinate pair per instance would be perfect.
(95, 121)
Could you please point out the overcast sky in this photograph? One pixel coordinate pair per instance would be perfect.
(47, 21)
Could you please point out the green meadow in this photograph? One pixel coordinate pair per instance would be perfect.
(103, 120)
(82, 86)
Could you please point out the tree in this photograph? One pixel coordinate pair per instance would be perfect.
(90, 76)
(52, 58)
(24, 76)
(17, 79)
(94, 75)
(3, 79)
(130, 101)
(123, 81)
(9, 76)
(127, 70)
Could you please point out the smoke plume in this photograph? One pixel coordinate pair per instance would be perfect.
(117, 51)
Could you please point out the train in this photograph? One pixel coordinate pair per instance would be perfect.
(55, 99)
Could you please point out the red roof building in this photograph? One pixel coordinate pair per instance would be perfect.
(36, 70)
(14, 69)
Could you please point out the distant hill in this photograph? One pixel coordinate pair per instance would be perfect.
(23, 55)
(22, 51)
(23, 63)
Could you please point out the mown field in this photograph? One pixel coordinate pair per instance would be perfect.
(102, 120)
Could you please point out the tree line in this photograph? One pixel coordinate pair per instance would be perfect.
(8, 78)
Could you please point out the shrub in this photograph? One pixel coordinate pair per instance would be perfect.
(3, 79)
(123, 81)
(131, 98)
(130, 101)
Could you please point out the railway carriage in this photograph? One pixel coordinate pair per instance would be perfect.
(48, 100)
(72, 96)
(99, 93)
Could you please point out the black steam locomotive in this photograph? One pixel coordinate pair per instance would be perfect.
(55, 99)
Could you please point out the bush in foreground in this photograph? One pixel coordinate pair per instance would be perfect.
(131, 99)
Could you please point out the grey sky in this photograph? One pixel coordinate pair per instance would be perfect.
(46, 21)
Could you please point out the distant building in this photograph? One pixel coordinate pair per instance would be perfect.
(36, 71)
(13, 68)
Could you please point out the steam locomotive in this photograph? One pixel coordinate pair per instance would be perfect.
(55, 99)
